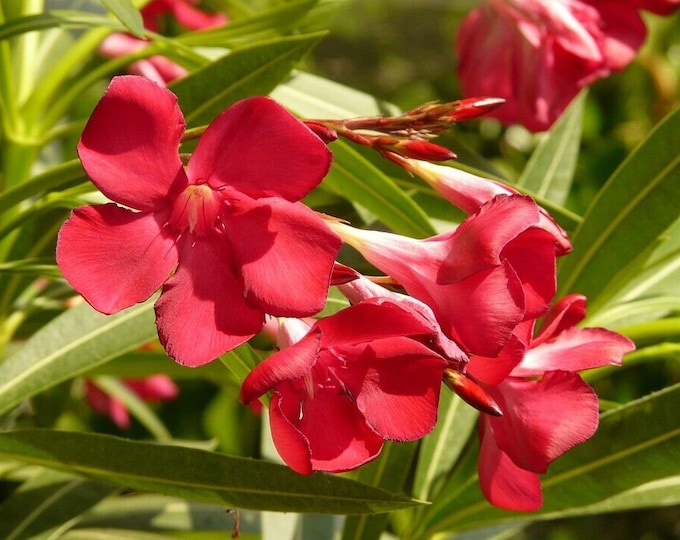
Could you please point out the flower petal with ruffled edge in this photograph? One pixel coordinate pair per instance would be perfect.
(258, 148)
(396, 384)
(201, 312)
(339, 437)
(543, 419)
(503, 483)
(286, 266)
(114, 257)
(129, 147)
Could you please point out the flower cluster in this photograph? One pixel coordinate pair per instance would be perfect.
(537, 54)
(225, 237)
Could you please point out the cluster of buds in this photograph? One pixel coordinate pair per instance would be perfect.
(409, 134)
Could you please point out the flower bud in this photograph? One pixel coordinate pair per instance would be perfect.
(470, 392)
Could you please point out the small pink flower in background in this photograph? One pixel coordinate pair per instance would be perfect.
(350, 381)
(547, 407)
(151, 389)
(229, 225)
(158, 68)
(537, 54)
(496, 269)
(183, 11)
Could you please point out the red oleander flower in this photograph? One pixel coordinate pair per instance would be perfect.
(547, 407)
(352, 381)
(225, 235)
(537, 54)
(496, 269)
(153, 388)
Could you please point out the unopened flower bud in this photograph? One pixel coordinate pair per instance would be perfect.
(325, 133)
(473, 107)
(422, 150)
(470, 392)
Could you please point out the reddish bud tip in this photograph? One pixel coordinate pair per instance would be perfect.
(322, 131)
(470, 392)
(473, 107)
(423, 150)
(343, 274)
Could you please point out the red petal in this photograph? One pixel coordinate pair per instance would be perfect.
(543, 419)
(503, 483)
(396, 384)
(285, 254)
(290, 363)
(290, 443)
(339, 438)
(114, 257)
(369, 321)
(575, 349)
(567, 312)
(260, 149)
(476, 245)
(129, 147)
(201, 313)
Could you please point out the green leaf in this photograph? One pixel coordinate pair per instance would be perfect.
(362, 183)
(441, 449)
(550, 170)
(128, 14)
(47, 502)
(196, 475)
(279, 18)
(55, 19)
(390, 471)
(628, 215)
(636, 444)
(256, 69)
(72, 343)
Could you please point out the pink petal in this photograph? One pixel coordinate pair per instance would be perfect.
(285, 254)
(625, 32)
(290, 363)
(201, 313)
(339, 438)
(290, 442)
(494, 370)
(575, 349)
(195, 19)
(129, 147)
(565, 313)
(543, 419)
(114, 257)
(396, 384)
(153, 388)
(369, 321)
(532, 255)
(478, 242)
(260, 149)
(503, 483)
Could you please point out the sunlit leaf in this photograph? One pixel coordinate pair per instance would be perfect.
(128, 14)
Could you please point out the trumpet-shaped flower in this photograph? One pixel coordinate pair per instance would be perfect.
(547, 407)
(225, 235)
(481, 279)
(352, 381)
(537, 54)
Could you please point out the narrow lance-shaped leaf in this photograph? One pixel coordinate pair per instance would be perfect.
(550, 170)
(628, 214)
(197, 475)
(252, 70)
(128, 14)
(71, 344)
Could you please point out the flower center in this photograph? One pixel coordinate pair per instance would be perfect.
(197, 209)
